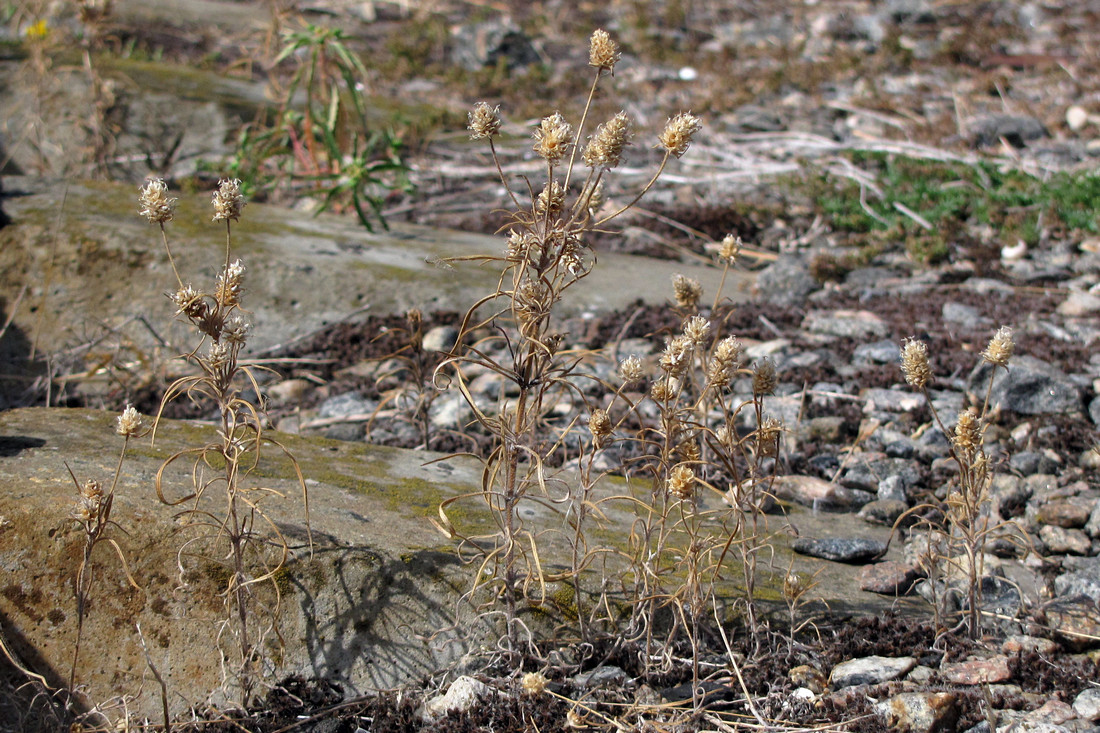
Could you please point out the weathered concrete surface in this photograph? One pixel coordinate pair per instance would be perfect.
(375, 604)
(93, 268)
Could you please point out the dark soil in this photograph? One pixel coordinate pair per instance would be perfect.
(317, 705)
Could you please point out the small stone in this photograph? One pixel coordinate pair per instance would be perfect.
(827, 428)
(819, 494)
(289, 390)
(440, 338)
(1076, 622)
(883, 511)
(891, 400)
(345, 405)
(1019, 643)
(1028, 726)
(978, 671)
(606, 676)
(958, 313)
(877, 352)
(1079, 303)
(920, 712)
(1077, 117)
(1029, 387)
(840, 549)
(889, 578)
(808, 677)
(857, 324)
(1061, 541)
(1017, 130)
(462, 695)
(786, 282)
(894, 488)
(1087, 704)
(1080, 583)
(1066, 514)
(870, 671)
(1053, 711)
(1092, 527)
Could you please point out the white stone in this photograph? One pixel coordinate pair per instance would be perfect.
(462, 695)
(870, 671)
(1087, 704)
(1076, 117)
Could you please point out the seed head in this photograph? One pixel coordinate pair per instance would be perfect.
(533, 683)
(156, 206)
(665, 389)
(729, 249)
(688, 451)
(676, 137)
(190, 303)
(677, 355)
(90, 502)
(228, 200)
(553, 137)
(484, 121)
(218, 358)
(228, 290)
(767, 437)
(968, 433)
(599, 424)
(1000, 347)
(236, 331)
(681, 482)
(129, 422)
(551, 199)
(596, 199)
(697, 329)
(724, 361)
(603, 53)
(605, 148)
(686, 291)
(914, 364)
(764, 379)
(630, 370)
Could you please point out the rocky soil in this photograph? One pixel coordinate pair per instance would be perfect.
(804, 103)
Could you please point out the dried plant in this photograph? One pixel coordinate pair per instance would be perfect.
(709, 480)
(92, 513)
(240, 528)
(547, 252)
(961, 526)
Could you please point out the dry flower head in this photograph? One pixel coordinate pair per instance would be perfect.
(228, 200)
(599, 424)
(677, 355)
(764, 379)
(914, 364)
(696, 329)
(533, 683)
(603, 53)
(968, 432)
(681, 482)
(484, 121)
(686, 291)
(156, 206)
(553, 137)
(605, 148)
(1000, 348)
(676, 137)
(631, 370)
(129, 422)
(729, 249)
